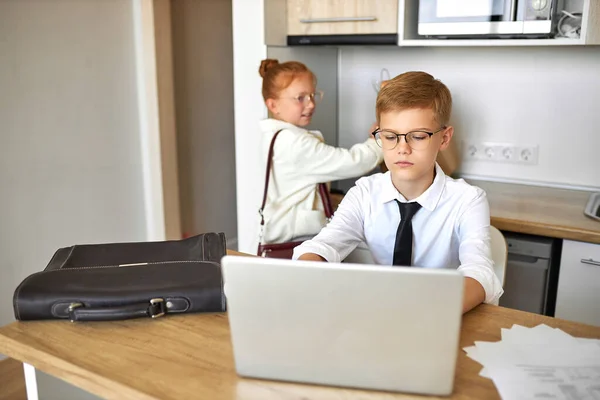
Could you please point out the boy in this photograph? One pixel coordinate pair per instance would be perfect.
(414, 214)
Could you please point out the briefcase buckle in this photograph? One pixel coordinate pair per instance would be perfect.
(72, 308)
(157, 308)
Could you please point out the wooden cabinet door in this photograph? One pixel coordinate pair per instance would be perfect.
(578, 296)
(342, 17)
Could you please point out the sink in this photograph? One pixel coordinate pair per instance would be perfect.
(592, 209)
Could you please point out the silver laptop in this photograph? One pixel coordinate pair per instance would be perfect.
(351, 325)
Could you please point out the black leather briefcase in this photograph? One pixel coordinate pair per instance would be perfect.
(99, 282)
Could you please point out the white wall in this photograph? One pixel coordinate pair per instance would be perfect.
(539, 95)
(203, 74)
(248, 51)
(70, 151)
(70, 164)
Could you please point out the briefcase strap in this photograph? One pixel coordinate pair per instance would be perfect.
(323, 191)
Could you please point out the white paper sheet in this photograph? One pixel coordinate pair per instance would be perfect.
(540, 334)
(540, 363)
(543, 372)
(473, 353)
(586, 340)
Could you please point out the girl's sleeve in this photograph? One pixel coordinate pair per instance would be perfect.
(312, 158)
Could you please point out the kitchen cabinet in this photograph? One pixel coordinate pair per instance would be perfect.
(316, 22)
(590, 29)
(388, 22)
(578, 295)
(342, 17)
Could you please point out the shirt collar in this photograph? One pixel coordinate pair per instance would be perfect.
(275, 124)
(428, 199)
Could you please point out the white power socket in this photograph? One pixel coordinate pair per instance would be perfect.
(501, 152)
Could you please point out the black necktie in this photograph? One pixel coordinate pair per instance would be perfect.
(404, 235)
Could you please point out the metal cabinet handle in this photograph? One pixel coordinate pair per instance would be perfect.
(513, 10)
(590, 262)
(336, 19)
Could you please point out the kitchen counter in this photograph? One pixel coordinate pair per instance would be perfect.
(540, 211)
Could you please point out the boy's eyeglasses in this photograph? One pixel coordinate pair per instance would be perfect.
(305, 99)
(417, 140)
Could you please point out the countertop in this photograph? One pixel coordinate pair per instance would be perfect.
(538, 210)
(190, 356)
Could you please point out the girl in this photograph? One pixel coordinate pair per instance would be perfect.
(301, 160)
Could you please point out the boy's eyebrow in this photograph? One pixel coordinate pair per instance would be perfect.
(411, 130)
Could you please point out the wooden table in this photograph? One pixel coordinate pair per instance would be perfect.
(190, 357)
(543, 211)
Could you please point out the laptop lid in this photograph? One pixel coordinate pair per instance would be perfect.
(351, 325)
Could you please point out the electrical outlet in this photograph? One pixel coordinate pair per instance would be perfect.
(500, 152)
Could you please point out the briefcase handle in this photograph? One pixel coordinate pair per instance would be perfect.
(153, 309)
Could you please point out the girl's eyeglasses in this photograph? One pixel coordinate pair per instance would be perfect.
(305, 99)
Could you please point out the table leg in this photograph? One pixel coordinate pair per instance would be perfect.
(30, 382)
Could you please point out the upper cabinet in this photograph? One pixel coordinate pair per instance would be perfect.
(307, 18)
(396, 22)
(315, 22)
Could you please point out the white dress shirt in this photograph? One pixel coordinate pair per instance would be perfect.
(451, 230)
(301, 160)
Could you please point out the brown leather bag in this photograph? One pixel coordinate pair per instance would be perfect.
(285, 249)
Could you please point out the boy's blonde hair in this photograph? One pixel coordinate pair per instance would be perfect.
(412, 90)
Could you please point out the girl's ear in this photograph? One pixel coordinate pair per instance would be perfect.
(272, 106)
(448, 133)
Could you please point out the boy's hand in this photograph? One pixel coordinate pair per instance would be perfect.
(311, 257)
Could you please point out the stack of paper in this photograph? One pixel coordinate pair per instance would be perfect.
(540, 363)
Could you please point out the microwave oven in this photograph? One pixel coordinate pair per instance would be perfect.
(488, 18)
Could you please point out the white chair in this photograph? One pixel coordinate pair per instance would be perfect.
(499, 253)
(360, 255)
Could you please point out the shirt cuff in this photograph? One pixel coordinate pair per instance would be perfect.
(487, 279)
(312, 246)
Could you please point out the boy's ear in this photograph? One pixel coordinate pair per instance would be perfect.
(272, 106)
(446, 137)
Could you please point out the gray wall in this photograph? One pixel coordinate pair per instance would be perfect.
(323, 61)
(70, 163)
(203, 69)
